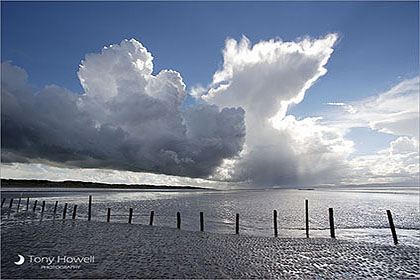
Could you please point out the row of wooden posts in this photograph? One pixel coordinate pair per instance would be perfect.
(178, 217)
(55, 207)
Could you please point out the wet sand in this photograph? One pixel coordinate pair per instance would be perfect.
(138, 251)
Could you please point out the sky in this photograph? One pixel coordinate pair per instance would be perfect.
(223, 94)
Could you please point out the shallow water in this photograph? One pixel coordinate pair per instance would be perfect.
(359, 213)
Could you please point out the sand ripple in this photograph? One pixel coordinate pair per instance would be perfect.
(136, 251)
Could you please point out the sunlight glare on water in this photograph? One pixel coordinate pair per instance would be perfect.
(360, 214)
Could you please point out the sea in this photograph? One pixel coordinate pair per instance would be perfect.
(359, 212)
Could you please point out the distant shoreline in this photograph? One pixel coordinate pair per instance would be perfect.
(80, 184)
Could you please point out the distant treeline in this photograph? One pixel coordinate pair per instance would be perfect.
(80, 184)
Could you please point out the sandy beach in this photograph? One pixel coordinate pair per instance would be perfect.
(81, 249)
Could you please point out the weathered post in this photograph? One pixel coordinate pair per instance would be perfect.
(275, 223)
(20, 199)
(55, 208)
(237, 223)
(2, 202)
(391, 224)
(11, 203)
(108, 216)
(307, 218)
(74, 211)
(130, 216)
(152, 214)
(36, 201)
(27, 204)
(90, 208)
(43, 208)
(332, 229)
(178, 220)
(64, 211)
(201, 221)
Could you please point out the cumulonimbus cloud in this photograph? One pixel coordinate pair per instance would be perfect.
(265, 79)
(126, 119)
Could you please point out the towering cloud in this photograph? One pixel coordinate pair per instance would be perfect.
(127, 119)
(265, 79)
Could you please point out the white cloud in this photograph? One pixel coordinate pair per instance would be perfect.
(347, 107)
(48, 172)
(397, 164)
(265, 79)
(197, 91)
(404, 145)
(395, 111)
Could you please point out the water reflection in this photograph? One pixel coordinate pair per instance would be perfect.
(358, 214)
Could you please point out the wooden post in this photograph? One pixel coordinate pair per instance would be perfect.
(11, 203)
(36, 201)
(90, 208)
(55, 208)
(332, 229)
(27, 204)
(130, 216)
(64, 211)
(201, 221)
(237, 223)
(178, 220)
(43, 208)
(108, 216)
(391, 224)
(275, 223)
(74, 211)
(152, 214)
(2, 202)
(20, 199)
(307, 218)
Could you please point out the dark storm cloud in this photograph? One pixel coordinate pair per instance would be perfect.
(127, 119)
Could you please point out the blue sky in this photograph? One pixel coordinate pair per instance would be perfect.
(377, 45)
(378, 40)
